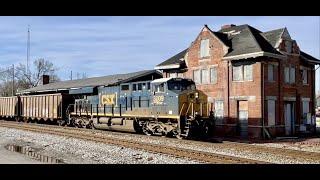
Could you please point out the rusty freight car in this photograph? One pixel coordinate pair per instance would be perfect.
(8, 107)
(43, 107)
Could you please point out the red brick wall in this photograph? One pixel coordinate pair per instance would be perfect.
(249, 89)
(194, 61)
(280, 89)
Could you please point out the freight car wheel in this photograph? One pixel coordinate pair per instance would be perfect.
(61, 122)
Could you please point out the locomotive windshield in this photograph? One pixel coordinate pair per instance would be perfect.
(178, 85)
(172, 84)
(159, 87)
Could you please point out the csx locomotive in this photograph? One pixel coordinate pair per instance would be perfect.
(165, 106)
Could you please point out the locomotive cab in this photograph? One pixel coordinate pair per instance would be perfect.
(176, 101)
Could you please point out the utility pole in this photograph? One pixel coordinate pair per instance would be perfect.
(12, 79)
(71, 75)
(28, 50)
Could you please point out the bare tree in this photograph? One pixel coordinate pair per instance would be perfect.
(29, 79)
(6, 85)
(24, 79)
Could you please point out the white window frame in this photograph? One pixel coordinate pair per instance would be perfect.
(204, 48)
(245, 71)
(240, 75)
(214, 79)
(205, 76)
(199, 74)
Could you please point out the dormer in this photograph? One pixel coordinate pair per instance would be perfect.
(286, 44)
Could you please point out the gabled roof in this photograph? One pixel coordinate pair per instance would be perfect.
(273, 36)
(90, 82)
(173, 62)
(244, 42)
(248, 40)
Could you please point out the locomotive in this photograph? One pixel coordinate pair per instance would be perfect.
(165, 107)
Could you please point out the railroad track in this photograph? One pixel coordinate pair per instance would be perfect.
(254, 148)
(200, 156)
(290, 153)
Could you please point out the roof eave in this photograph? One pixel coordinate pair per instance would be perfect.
(254, 55)
(170, 66)
(311, 61)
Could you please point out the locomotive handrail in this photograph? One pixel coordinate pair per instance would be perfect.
(188, 108)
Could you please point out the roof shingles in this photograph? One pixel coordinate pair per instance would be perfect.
(242, 40)
(89, 82)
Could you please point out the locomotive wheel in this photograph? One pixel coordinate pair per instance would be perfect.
(146, 130)
(90, 125)
(137, 127)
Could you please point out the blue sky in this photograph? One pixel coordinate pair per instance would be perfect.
(107, 45)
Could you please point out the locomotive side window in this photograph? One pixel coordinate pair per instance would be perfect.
(124, 87)
(134, 87)
(148, 85)
(159, 87)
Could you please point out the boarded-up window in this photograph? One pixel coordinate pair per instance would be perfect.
(218, 113)
(286, 74)
(196, 76)
(248, 72)
(305, 107)
(271, 112)
(205, 76)
(288, 45)
(270, 72)
(237, 74)
(292, 75)
(213, 75)
(305, 76)
(204, 48)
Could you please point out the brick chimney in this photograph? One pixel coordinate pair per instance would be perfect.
(227, 26)
(45, 79)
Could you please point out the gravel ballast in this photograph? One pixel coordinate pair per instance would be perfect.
(214, 148)
(90, 152)
(72, 150)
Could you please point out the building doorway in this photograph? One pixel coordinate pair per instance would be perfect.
(243, 115)
(289, 117)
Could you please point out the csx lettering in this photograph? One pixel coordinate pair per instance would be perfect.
(108, 99)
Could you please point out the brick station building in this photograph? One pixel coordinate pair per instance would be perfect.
(259, 84)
